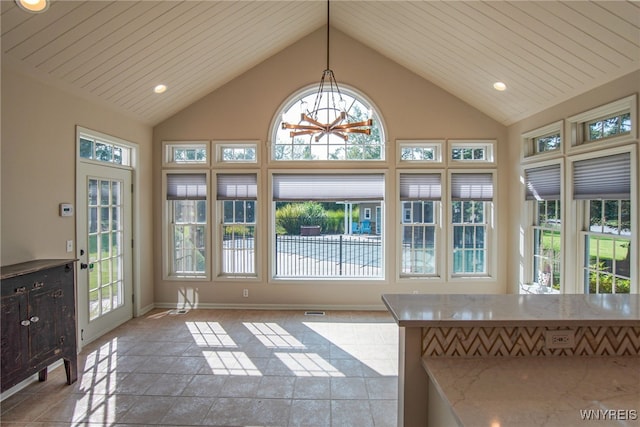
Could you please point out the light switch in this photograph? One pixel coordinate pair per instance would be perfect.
(69, 245)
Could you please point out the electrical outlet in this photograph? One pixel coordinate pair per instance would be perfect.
(245, 293)
(69, 245)
(559, 338)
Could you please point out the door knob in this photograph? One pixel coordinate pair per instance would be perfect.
(83, 266)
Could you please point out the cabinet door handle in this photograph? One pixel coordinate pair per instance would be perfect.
(34, 319)
(25, 323)
(38, 285)
(21, 290)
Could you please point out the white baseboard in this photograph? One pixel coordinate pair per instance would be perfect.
(298, 307)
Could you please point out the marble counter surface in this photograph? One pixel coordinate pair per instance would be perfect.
(417, 310)
(539, 391)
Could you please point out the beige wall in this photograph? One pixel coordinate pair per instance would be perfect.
(511, 169)
(38, 170)
(412, 108)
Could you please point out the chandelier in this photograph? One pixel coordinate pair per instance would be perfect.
(328, 105)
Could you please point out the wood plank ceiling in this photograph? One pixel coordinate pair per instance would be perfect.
(114, 52)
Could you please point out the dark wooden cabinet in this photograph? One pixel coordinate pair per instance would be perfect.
(38, 321)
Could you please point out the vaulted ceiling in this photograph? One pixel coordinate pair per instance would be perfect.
(115, 52)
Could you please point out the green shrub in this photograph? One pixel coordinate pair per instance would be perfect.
(290, 217)
(334, 223)
(623, 286)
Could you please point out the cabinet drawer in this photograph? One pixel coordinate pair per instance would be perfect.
(62, 275)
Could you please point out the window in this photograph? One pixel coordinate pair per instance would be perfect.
(608, 125)
(618, 124)
(328, 147)
(471, 151)
(420, 151)
(607, 247)
(543, 141)
(319, 230)
(604, 184)
(420, 196)
(186, 153)
(547, 244)
(98, 149)
(188, 230)
(547, 143)
(237, 194)
(543, 193)
(471, 204)
(237, 153)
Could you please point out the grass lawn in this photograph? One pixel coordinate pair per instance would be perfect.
(603, 246)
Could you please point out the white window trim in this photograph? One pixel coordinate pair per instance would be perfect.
(308, 90)
(167, 151)
(436, 144)
(491, 232)
(271, 279)
(528, 152)
(488, 144)
(217, 236)
(574, 236)
(107, 139)
(135, 200)
(575, 125)
(441, 245)
(221, 145)
(167, 252)
(529, 209)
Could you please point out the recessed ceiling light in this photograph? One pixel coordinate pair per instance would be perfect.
(500, 86)
(35, 6)
(160, 88)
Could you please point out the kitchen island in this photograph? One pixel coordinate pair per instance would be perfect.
(501, 360)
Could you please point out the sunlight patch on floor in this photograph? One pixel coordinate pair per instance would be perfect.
(308, 365)
(272, 335)
(356, 340)
(231, 363)
(210, 334)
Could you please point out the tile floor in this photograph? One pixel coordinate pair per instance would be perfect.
(225, 367)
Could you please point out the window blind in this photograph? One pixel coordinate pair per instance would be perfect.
(543, 183)
(237, 187)
(181, 186)
(472, 186)
(420, 186)
(607, 177)
(328, 187)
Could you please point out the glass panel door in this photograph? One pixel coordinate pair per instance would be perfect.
(105, 247)
(105, 288)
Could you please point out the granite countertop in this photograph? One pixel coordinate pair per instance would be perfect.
(539, 391)
(422, 310)
(9, 271)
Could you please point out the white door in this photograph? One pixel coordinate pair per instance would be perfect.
(105, 289)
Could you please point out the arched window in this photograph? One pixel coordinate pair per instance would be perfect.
(328, 146)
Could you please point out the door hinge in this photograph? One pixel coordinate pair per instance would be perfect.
(133, 300)
(132, 188)
(131, 243)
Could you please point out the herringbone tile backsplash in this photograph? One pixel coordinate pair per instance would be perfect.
(529, 341)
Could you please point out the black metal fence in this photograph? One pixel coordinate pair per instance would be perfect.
(328, 256)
